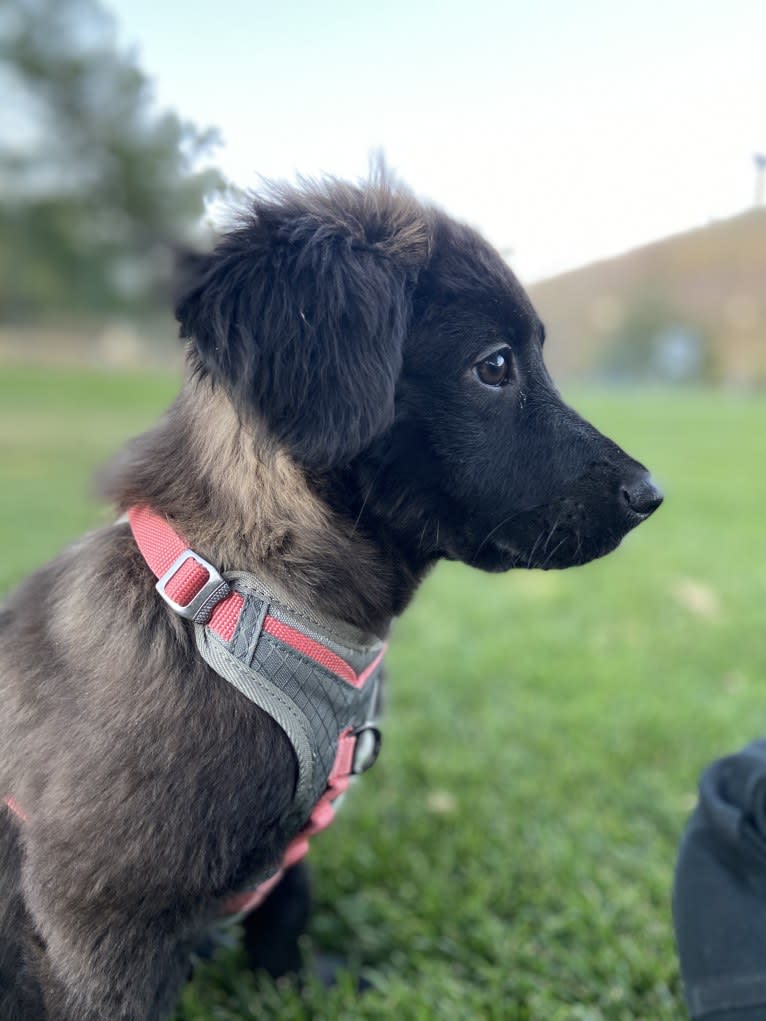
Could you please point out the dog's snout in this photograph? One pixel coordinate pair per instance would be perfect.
(641, 494)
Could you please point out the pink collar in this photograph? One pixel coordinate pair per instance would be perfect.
(187, 582)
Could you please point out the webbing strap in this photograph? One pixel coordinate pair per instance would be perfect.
(161, 547)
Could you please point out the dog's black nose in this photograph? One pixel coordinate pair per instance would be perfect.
(641, 494)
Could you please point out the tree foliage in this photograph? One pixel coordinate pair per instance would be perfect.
(96, 186)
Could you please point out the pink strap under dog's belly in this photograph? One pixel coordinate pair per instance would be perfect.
(321, 817)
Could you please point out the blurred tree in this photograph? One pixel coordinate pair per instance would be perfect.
(96, 187)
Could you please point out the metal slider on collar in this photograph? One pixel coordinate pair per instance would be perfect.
(202, 604)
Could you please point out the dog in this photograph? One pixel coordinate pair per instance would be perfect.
(365, 395)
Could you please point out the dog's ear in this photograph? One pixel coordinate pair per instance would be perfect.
(301, 313)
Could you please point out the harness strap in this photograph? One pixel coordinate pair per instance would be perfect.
(183, 574)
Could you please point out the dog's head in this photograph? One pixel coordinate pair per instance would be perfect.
(393, 354)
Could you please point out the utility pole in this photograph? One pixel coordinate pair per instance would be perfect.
(759, 159)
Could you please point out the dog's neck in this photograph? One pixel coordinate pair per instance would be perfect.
(245, 506)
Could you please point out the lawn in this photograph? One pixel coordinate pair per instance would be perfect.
(510, 857)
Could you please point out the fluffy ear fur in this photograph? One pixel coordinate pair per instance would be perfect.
(301, 312)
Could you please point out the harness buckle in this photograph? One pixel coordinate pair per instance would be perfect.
(201, 605)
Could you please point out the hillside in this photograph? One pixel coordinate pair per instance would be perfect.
(689, 306)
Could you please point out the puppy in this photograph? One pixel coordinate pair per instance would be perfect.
(365, 394)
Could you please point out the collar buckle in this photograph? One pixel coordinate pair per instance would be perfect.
(207, 596)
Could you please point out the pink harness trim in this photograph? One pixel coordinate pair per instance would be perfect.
(319, 653)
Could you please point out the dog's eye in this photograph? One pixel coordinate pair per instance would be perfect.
(495, 370)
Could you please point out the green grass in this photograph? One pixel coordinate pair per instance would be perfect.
(511, 854)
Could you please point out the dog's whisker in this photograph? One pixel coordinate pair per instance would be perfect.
(422, 535)
(578, 549)
(553, 553)
(532, 552)
(367, 495)
(492, 531)
(551, 533)
(361, 509)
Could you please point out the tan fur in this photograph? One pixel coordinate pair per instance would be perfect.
(251, 508)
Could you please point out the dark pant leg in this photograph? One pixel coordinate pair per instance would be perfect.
(719, 897)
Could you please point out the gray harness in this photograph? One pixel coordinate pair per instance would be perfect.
(318, 679)
(311, 703)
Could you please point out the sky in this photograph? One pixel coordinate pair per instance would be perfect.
(565, 131)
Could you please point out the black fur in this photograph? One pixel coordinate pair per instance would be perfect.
(333, 434)
(306, 304)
